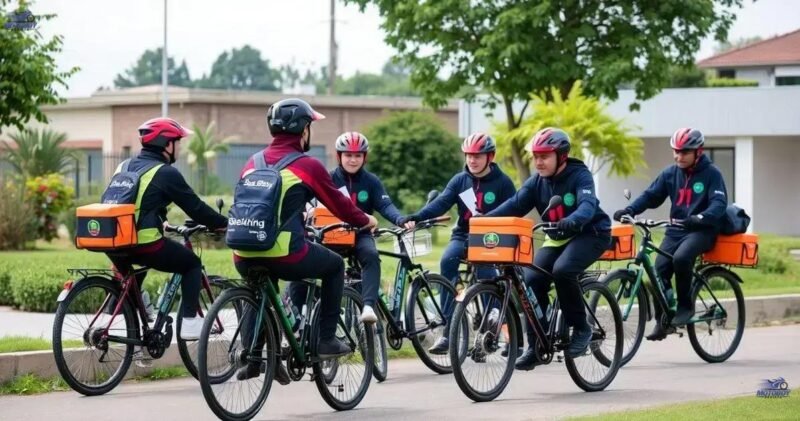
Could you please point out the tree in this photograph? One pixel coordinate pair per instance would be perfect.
(147, 71)
(203, 147)
(591, 128)
(29, 77)
(687, 77)
(242, 69)
(412, 153)
(509, 49)
(38, 153)
(729, 45)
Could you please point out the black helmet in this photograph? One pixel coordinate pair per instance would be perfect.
(290, 116)
(687, 139)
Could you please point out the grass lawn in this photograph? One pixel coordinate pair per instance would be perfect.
(24, 343)
(749, 408)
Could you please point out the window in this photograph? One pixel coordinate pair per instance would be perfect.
(726, 73)
(724, 159)
(318, 152)
(787, 80)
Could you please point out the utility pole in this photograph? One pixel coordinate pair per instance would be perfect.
(164, 76)
(333, 48)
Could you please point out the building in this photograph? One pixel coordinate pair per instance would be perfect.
(103, 126)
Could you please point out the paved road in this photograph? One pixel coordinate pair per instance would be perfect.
(662, 373)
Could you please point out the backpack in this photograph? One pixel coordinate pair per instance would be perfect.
(735, 221)
(253, 221)
(111, 224)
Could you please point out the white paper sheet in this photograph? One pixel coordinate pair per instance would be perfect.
(469, 200)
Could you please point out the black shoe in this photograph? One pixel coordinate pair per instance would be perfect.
(658, 333)
(579, 342)
(282, 375)
(440, 347)
(527, 361)
(683, 316)
(332, 348)
(250, 371)
(504, 352)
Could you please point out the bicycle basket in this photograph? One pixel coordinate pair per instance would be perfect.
(417, 243)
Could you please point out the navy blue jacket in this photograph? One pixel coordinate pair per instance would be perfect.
(490, 191)
(367, 192)
(574, 184)
(694, 191)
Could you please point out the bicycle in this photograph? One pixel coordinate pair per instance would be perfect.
(258, 299)
(491, 307)
(413, 313)
(97, 298)
(635, 292)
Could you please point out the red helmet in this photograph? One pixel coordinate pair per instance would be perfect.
(478, 143)
(352, 142)
(551, 140)
(161, 131)
(687, 139)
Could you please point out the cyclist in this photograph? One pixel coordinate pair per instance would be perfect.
(367, 192)
(583, 233)
(161, 185)
(294, 257)
(699, 199)
(490, 187)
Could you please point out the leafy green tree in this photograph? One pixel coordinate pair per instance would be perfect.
(29, 76)
(203, 147)
(592, 129)
(242, 69)
(508, 49)
(412, 153)
(147, 71)
(38, 153)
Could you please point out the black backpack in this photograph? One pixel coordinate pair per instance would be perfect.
(735, 221)
(253, 223)
(124, 185)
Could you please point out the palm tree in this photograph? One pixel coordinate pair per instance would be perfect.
(38, 152)
(203, 147)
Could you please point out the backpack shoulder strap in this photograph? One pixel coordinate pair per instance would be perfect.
(286, 160)
(125, 164)
(259, 163)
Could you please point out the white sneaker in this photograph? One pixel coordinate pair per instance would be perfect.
(191, 327)
(368, 315)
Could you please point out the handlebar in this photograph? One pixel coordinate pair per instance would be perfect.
(648, 224)
(319, 232)
(426, 224)
(187, 230)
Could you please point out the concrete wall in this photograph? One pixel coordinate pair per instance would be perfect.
(763, 75)
(79, 125)
(776, 168)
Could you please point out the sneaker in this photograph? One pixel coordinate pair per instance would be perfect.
(141, 358)
(148, 306)
(658, 333)
(527, 361)
(368, 315)
(491, 321)
(682, 317)
(332, 348)
(440, 347)
(250, 371)
(191, 327)
(579, 342)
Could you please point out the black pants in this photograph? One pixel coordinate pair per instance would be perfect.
(367, 254)
(171, 258)
(684, 250)
(319, 263)
(566, 263)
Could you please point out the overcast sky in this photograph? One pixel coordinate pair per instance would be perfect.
(106, 37)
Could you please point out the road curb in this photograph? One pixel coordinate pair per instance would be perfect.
(760, 310)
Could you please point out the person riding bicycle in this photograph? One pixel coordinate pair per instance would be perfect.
(483, 180)
(294, 257)
(699, 198)
(367, 192)
(582, 234)
(161, 185)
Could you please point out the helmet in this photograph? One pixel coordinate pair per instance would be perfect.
(290, 116)
(352, 142)
(687, 139)
(551, 140)
(478, 143)
(159, 132)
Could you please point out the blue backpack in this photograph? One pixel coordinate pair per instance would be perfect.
(253, 221)
(124, 185)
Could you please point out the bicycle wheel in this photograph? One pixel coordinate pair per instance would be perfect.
(381, 368)
(718, 333)
(596, 369)
(481, 370)
(421, 313)
(221, 355)
(188, 349)
(88, 362)
(345, 388)
(633, 308)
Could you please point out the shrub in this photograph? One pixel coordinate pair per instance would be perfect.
(48, 196)
(17, 224)
(716, 82)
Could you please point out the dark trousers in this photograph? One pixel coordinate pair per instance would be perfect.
(684, 250)
(566, 263)
(318, 263)
(171, 258)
